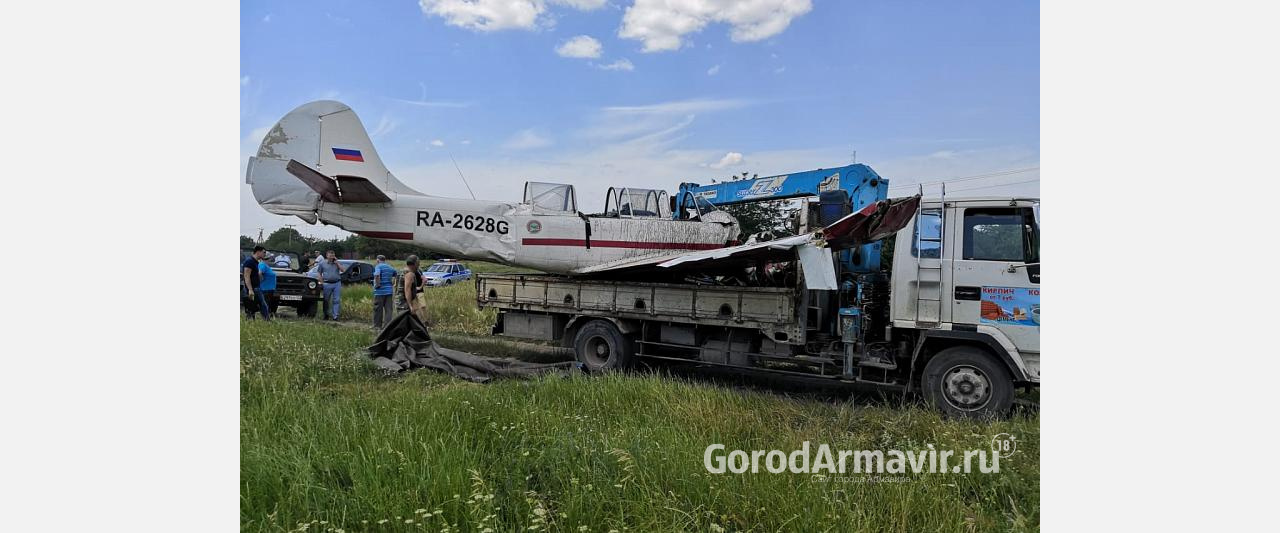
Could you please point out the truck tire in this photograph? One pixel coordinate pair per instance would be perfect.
(306, 309)
(968, 382)
(602, 347)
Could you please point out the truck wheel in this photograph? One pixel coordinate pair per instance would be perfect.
(968, 382)
(602, 347)
(306, 309)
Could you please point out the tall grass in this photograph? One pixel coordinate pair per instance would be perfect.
(328, 442)
(452, 309)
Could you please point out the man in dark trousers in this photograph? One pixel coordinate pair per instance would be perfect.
(255, 301)
(383, 281)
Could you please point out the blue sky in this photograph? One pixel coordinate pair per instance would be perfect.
(656, 92)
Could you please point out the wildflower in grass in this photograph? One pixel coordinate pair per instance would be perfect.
(583, 528)
(408, 521)
(383, 521)
(715, 528)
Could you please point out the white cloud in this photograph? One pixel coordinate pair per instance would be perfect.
(494, 15)
(466, 141)
(630, 122)
(438, 103)
(244, 80)
(526, 140)
(697, 105)
(582, 46)
(584, 5)
(267, 18)
(437, 143)
(385, 125)
(713, 70)
(731, 159)
(621, 64)
(779, 70)
(661, 24)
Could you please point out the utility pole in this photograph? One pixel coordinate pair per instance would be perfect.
(290, 226)
(259, 235)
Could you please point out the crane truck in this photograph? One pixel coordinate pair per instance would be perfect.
(953, 314)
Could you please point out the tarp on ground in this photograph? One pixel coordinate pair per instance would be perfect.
(406, 344)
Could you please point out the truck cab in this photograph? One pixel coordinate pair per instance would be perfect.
(966, 278)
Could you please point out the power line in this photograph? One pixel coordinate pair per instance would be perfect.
(967, 178)
(993, 185)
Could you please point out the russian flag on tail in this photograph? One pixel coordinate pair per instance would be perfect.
(343, 154)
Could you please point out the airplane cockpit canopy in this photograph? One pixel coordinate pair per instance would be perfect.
(551, 196)
(628, 202)
(693, 207)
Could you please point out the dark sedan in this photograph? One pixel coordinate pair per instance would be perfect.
(356, 271)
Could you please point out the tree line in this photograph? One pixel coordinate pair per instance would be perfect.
(290, 240)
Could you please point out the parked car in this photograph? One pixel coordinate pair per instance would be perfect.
(356, 271)
(446, 273)
(293, 287)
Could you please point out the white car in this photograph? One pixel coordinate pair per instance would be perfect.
(446, 273)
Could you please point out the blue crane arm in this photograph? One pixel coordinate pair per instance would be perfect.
(864, 186)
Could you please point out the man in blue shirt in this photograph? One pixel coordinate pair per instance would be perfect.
(330, 273)
(249, 288)
(383, 275)
(268, 285)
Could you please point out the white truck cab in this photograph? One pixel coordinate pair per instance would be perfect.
(972, 271)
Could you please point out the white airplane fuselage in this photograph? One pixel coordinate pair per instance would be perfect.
(517, 234)
(319, 164)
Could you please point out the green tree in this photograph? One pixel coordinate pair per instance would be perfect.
(286, 239)
(755, 217)
(246, 241)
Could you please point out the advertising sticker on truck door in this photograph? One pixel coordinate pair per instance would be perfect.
(1015, 306)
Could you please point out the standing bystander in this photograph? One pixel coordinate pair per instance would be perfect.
(383, 275)
(330, 273)
(252, 279)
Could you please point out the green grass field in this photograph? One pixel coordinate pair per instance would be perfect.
(330, 443)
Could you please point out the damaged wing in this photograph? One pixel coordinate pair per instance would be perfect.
(871, 223)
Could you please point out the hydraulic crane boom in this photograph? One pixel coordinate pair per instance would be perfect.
(848, 188)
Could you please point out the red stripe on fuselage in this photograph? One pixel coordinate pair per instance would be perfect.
(622, 244)
(345, 157)
(401, 235)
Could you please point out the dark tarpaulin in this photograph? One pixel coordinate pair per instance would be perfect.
(405, 344)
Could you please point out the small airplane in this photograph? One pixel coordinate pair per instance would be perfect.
(318, 164)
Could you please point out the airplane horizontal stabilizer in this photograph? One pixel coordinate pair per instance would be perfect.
(342, 189)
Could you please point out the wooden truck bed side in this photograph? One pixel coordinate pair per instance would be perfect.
(769, 309)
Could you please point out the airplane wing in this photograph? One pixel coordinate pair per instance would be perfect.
(874, 222)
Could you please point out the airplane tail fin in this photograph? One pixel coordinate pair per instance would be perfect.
(317, 153)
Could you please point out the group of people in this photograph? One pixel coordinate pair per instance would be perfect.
(259, 284)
